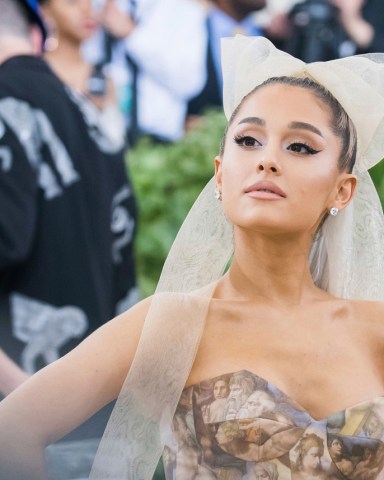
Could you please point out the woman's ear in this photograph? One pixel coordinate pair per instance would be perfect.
(345, 191)
(36, 40)
(218, 172)
(52, 41)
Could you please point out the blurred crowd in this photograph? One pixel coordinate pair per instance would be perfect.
(158, 62)
(163, 57)
(76, 93)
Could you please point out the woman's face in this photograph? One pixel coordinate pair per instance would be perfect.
(220, 390)
(311, 460)
(258, 403)
(373, 424)
(260, 473)
(74, 19)
(336, 448)
(279, 171)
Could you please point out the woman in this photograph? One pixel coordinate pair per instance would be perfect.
(215, 410)
(284, 180)
(264, 471)
(71, 23)
(339, 454)
(310, 449)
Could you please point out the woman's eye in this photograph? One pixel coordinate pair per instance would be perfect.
(302, 148)
(247, 141)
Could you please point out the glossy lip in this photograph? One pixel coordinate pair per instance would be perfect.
(266, 190)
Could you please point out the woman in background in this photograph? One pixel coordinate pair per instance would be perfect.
(71, 22)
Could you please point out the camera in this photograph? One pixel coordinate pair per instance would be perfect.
(317, 33)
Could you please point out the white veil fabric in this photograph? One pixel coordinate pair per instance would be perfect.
(347, 256)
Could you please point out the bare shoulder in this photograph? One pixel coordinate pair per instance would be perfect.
(118, 338)
(370, 313)
(370, 307)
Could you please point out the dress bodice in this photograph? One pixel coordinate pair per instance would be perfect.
(240, 427)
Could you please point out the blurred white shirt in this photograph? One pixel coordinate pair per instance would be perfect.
(169, 47)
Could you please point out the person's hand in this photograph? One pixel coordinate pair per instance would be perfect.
(279, 26)
(349, 8)
(359, 30)
(118, 23)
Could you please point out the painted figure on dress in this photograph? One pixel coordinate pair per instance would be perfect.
(215, 411)
(310, 451)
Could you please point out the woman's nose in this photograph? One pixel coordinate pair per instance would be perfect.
(269, 161)
(269, 166)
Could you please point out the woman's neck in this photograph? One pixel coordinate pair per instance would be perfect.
(68, 52)
(271, 268)
(68, 64)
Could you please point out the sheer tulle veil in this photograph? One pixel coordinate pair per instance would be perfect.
(347, 256)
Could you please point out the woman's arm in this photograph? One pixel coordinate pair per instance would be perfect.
(63, 395)
(11, 375)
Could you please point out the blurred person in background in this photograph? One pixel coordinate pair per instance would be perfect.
(69, 24)
(316, 33)
(363, 20)
(154, 50)
(274, 21)
(225, 18)
(67, 221)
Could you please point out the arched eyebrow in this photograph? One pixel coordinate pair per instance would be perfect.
(254, 120)
(292, 125)
(304, 126)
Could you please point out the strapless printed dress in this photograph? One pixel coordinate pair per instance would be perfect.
(240, 427)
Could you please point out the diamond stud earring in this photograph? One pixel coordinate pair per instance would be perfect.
(217, 194)
(334, 211)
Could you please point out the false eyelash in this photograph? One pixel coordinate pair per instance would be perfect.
(310, 150)
(240, 138)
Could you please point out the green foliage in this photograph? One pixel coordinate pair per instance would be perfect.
(167, 179)
(377, 174)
